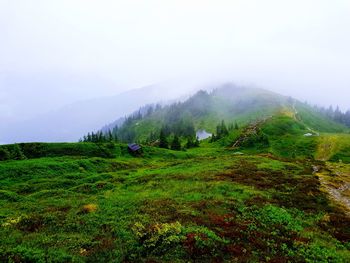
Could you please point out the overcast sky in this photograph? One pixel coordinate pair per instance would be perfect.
(56, 52)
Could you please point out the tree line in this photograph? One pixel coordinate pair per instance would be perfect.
(99, 137)
(174, 143)
(335, 114)
(222, 130)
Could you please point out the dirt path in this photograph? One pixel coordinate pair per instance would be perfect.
(337, 185)
(295, 113)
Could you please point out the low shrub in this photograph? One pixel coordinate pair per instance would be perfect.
(201, 241)
(158, 238)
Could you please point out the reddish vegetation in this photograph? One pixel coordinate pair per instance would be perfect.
(290, 188)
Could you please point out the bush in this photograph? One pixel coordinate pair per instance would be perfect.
(159, 238)
(273, 215)
(201, 241)
(317, 253)
(4, 154)
(11, 152)
(258, 139)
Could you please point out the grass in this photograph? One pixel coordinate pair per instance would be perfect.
(334, 147)
(204, 204)
(314, 120)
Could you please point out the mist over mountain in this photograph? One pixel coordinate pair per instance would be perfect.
(70, 122)
(226, 102)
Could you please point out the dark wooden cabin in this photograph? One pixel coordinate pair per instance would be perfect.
(134, 148)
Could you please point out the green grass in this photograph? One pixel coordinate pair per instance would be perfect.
(334, 147)
(38, 150)
(316, 121)
(166, 206)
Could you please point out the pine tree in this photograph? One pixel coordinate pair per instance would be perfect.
(347, 118)
(150, 111)
(224, 130)
(93, 137)
(115, 132)
(110, 135)
(17, 153)
(330, 112)
(218, 132)
(189, 143)
(338, 115)
(163, 143)
(4, 154)
(176, 145)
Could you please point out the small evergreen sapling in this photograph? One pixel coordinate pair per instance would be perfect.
(176, 144)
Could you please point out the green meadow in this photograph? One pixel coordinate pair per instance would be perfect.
(88, 202)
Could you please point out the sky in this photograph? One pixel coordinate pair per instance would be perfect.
(53, 53)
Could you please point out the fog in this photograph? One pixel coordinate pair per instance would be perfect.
(60, 52)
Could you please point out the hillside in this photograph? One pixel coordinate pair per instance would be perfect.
(204, 110)
(205, 204)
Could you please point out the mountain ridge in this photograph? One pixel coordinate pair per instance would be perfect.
(230, 103)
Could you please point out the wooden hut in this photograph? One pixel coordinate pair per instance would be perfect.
(134, 148)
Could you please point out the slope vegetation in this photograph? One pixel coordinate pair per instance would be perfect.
(204, 204)
(204, 111)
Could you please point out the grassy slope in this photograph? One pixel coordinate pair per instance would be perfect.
(287, 138)
(318, 122)
(334, 147)
(242, 105)
(206, 110)
(203, 204)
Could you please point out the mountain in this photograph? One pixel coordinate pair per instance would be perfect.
(230, 103)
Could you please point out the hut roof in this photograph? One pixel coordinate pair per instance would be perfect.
(134, 147)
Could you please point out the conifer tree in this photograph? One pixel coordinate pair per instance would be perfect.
(218, 132)
(4, 154)
(163, 143)
(110, 135)
(17, 153)
(189, 143)
(224, 130)
(176, 145)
